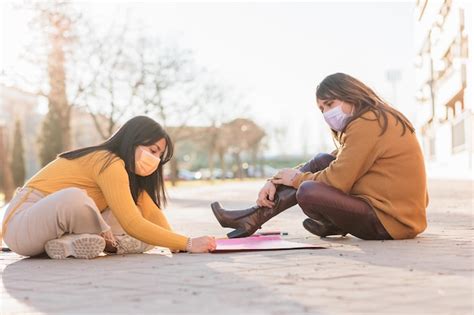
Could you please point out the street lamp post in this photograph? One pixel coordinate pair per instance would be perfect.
(393, 76)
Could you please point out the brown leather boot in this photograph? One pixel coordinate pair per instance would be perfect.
(246, 222)
(322, 228)
(230, 218)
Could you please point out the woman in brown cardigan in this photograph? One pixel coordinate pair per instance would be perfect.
(373, 186)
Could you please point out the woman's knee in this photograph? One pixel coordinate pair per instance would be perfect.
(309, 192)
(321, 161)
(80, 214)
(324, 156)
(307, 197)
(324, 159)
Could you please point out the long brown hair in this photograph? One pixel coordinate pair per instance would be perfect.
(348, 89)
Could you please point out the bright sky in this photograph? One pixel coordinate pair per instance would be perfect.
(274, 54)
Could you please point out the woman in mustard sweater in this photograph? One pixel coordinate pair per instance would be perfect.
(373, 186)
(101, 197)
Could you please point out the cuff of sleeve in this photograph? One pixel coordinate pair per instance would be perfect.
(183, 242)
(300, 178)
(297, 180)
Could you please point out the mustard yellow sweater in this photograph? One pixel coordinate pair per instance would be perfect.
(387, 171)
(144, 221)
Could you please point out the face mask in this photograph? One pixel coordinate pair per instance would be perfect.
(146, 163)
(336, 118)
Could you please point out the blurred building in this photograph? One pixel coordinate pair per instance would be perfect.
(444, 45)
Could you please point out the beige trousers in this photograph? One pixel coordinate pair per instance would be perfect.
(32, 219)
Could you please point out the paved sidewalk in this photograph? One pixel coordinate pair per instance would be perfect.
(432, 274)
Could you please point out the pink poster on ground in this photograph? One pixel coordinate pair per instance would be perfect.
(258, 243)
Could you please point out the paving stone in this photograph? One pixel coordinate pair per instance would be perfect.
(432, 274)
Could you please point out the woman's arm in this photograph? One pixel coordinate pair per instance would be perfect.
(356, 156)
(151, 212)
(114, 183)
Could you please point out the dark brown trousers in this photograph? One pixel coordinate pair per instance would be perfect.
(327, 204)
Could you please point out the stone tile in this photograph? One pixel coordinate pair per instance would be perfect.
(432, 274)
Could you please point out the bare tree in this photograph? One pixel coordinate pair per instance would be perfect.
(241, 136)
(131, 76)
(280, 136)
(116, 74)
(56, 21)
(103, 76)
(220, 105)
(217, 109)
(82, 68)
(48, 54)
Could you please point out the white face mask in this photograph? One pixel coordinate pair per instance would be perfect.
(336, 118)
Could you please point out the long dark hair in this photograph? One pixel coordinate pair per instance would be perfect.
(140, 130)
(343, 87)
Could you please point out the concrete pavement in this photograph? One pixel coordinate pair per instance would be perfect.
(432, 274)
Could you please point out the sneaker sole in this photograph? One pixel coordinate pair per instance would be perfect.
(84, 247)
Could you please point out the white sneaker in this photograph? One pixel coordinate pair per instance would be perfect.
(129, 245)
(84, 246)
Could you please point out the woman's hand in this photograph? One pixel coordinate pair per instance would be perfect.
(267, 195)
(110, 240)
(203, 244)
(286, 176)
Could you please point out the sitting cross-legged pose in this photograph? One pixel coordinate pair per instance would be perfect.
(373, 186)
(105, 197)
